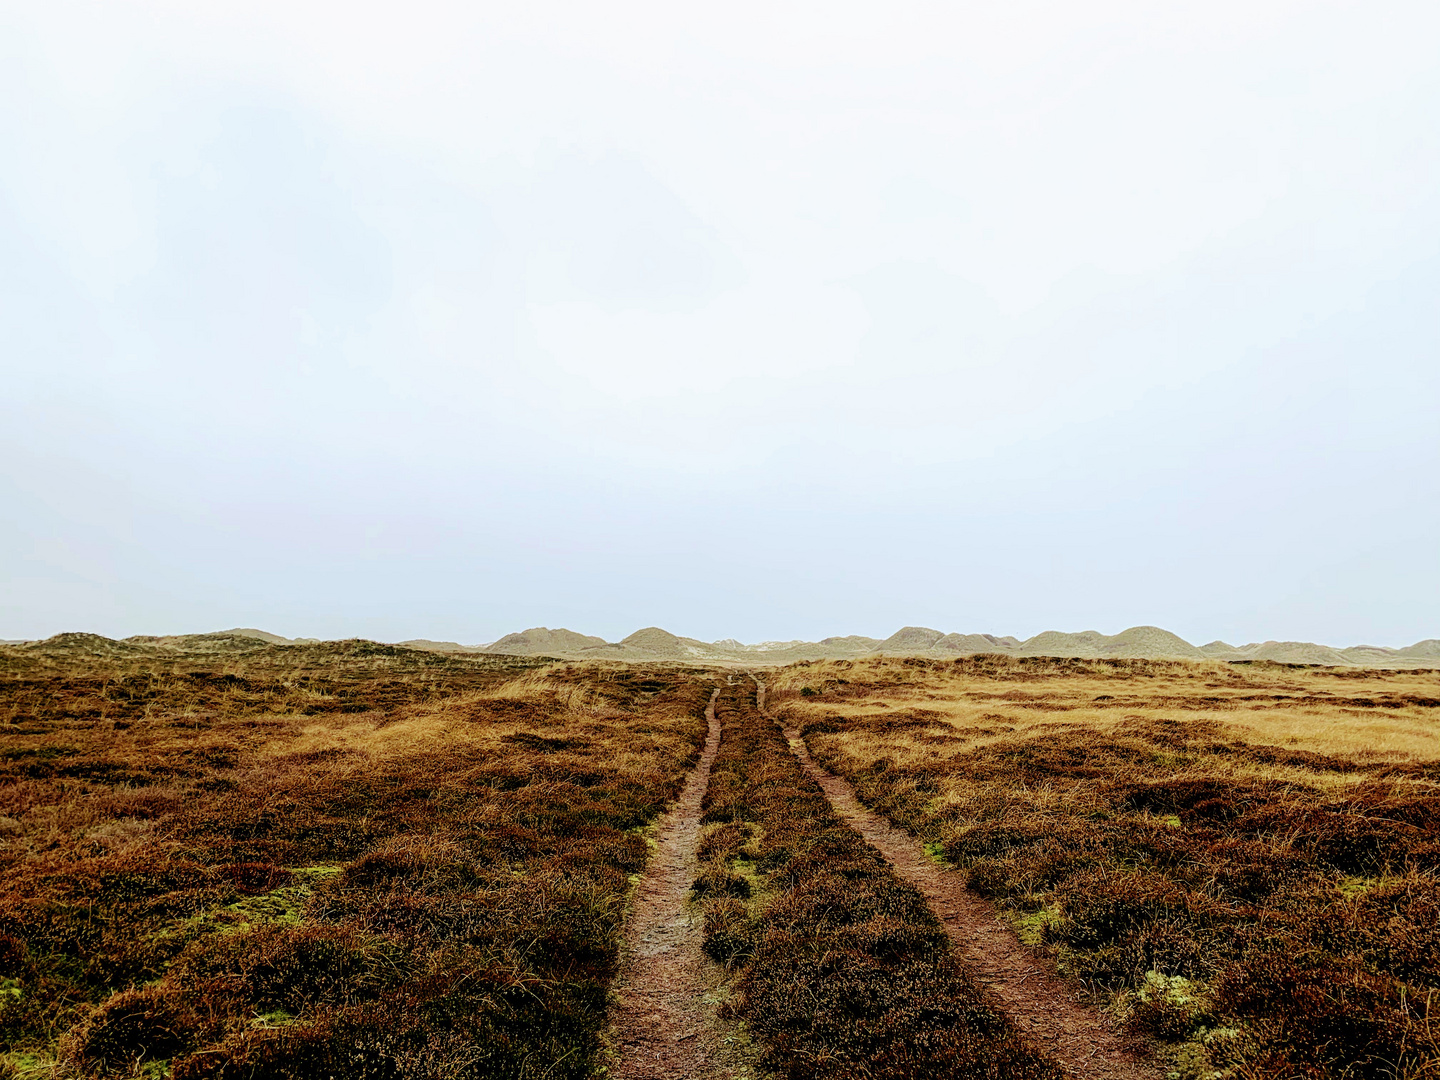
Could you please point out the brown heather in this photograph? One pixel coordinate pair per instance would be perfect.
(314, 861)
(842, 969)
(1240, 859)
(272, 860)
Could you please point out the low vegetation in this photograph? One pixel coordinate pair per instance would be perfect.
(1243, 861)
(293, 861)
(306, 861)
(841, 968)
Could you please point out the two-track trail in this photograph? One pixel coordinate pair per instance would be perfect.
(1025, 987)
(660, 1023)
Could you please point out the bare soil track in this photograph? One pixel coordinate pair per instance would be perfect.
(661, 1027)
(1026, 987)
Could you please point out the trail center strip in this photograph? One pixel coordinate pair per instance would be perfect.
(661, 1026)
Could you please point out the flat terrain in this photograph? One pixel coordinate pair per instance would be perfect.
(345, 860)
(232, 857)
(1239, 861)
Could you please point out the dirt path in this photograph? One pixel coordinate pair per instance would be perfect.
(1025, 986)
(661, 1025)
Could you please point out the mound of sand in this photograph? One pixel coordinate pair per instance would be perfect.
(976, 643)
(1087, 644)
(1429, 649)
(1150, 643)
(654, 642)
(1292, 652)
(426, 645)
(218, 643)
(82, 644)
(911, 639)
(855, 643)
(259, 635)
(1370, 655)
(542, 641)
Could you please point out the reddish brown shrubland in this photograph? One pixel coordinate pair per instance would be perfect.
(1244, 858)
(844, 971)
(342, 861)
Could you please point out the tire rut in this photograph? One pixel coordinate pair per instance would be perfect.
(661, 1026)
(1024, 986)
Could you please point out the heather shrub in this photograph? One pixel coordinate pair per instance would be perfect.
(843, 970)
(1257, 908)
(349, 860)
(130, 1028)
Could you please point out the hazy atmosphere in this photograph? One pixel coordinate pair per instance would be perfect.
(754, 322)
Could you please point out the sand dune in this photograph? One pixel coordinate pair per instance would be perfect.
(655, 643)
(1138, 642)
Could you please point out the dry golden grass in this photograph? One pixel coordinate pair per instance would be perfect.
(1367, 717)
(563, 691)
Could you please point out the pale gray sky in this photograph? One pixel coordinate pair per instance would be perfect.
(763, 320)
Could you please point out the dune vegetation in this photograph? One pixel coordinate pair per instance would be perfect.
(840, 967)
(235, 857)
(349, 860)
(1241, 861)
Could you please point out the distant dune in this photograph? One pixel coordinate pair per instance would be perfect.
(653, 643)
(542, 640)
(438, 646)
(1138, 642)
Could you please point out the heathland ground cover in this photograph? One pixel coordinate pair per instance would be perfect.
(295, 861)
(1240, 860)
(302, 861)
(841, 968)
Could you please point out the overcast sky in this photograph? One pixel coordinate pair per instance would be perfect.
(747, 320)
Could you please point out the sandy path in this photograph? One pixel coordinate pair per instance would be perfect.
(660, 1023)
(1025, 986)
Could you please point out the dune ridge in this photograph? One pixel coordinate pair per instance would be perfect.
(653, 643)
(1137, 642)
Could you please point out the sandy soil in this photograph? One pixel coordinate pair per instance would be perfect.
(1026, 987)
